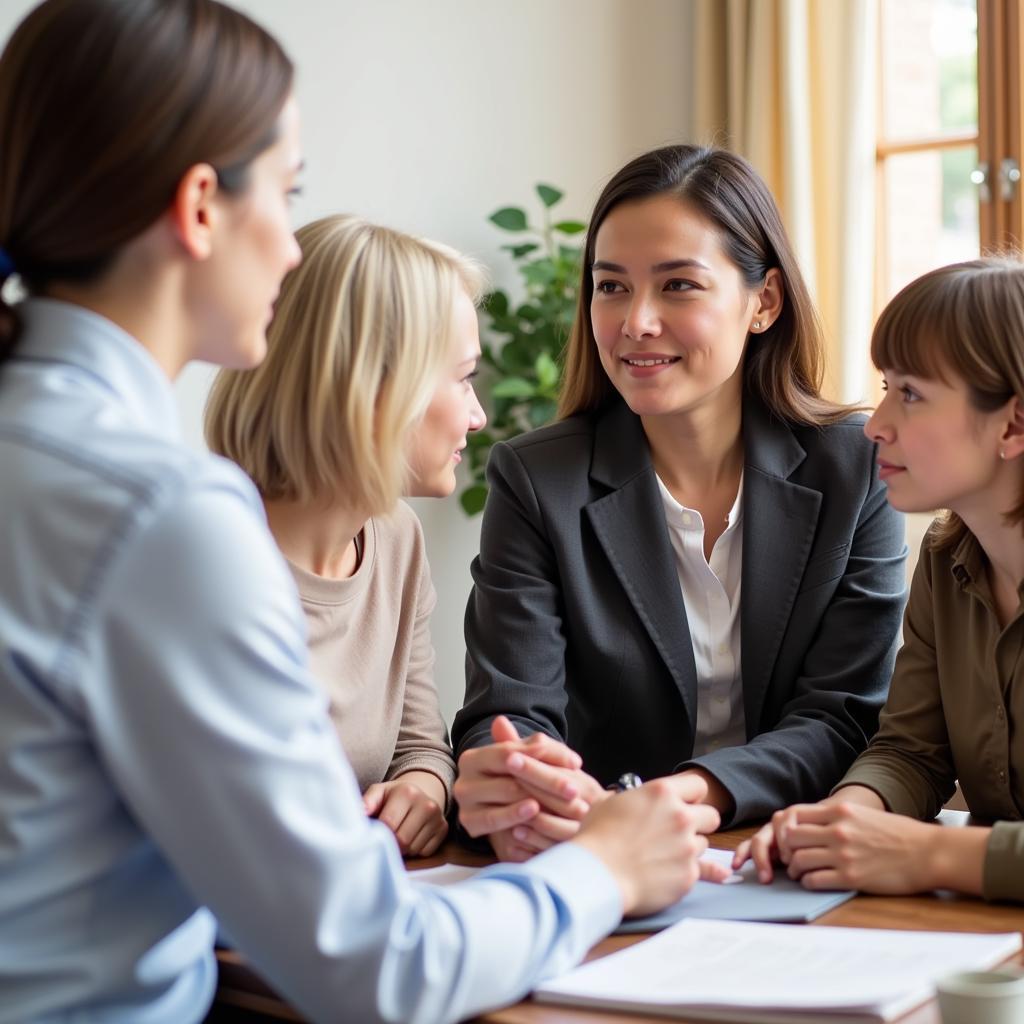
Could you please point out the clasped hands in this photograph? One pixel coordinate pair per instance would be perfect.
(529, 794)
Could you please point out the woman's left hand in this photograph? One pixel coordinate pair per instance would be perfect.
(412, 806)
(844, 845)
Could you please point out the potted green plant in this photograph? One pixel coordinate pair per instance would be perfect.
(522, 347)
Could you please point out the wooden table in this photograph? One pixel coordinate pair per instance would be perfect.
(242, 996)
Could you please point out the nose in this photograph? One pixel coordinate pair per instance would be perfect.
(642, 320)
(878, 427)
(477, 416)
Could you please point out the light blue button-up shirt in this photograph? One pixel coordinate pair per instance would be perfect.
(163, 748)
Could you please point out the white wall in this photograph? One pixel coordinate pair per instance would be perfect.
(428, 115)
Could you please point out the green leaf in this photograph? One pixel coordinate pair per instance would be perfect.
(519, 251)
(510, 218)
(514, 387)
(473, 499)
(540, 272)
(528, 312)
(542, 412)
(570, 227)
(495, 304)
(547, 371)
(480, 439)
(548, 195)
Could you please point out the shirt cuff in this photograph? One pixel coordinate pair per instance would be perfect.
(1003, 878)
(581, 881)
(896, 796)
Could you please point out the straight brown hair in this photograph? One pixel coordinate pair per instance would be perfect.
(104, 105)
(784, 364)
(964, 321)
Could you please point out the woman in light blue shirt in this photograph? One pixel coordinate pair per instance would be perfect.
(163, 747)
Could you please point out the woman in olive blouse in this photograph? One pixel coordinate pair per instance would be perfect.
(950, 434)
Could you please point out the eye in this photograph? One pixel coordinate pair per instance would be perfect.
(294, 193)
(679, 285)
(607, 287)
(908, 394)
(470, 377)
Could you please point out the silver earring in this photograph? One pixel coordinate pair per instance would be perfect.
(1002, 454)
(757, 325)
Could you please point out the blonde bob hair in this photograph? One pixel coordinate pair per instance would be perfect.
(361, 331)
(961, 322)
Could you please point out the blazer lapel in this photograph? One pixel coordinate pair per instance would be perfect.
(630, 526)
(779, 523)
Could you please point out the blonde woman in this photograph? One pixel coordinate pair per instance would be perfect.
(366, 395)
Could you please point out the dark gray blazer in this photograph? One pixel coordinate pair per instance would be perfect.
(576, 624)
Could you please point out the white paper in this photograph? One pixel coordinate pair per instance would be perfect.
(444, 874)
(727, 963)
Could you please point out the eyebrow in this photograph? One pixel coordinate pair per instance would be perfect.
(658, 268)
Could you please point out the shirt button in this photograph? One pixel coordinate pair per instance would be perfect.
(1002, 776)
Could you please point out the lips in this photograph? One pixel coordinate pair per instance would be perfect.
(888, 469)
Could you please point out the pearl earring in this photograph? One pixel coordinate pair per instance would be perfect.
(1002, 454)
(757, 325)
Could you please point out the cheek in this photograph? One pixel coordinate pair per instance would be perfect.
(605, 325)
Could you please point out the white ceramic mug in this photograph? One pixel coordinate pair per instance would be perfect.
(982, 997)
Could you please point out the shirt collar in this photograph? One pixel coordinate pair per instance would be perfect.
(67, 333)
(688, 518)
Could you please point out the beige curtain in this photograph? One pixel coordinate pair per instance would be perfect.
(791, 85)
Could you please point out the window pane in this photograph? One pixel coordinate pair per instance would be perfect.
(929, 67)
(931, 212)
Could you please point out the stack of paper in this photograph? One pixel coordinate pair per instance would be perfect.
(768, 973)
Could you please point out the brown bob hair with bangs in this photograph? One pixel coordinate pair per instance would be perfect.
(104, 105)
(961, 322)
(784, 365)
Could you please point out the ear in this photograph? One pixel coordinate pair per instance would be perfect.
(1011, 441)
(770, 298)
(192, 212)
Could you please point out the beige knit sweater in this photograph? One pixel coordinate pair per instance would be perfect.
(369, 638)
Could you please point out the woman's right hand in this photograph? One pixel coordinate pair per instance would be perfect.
(651, 840)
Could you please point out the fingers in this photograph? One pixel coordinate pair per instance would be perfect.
(373, 798)
(507, 848)
(703, 818)
(576, 808)
(688, 786)
(429, 838)
(487, 789)
(712, 871)
(413, 817)
(811, 859)
(552, 828)
(531, 840)
(485, 820)
(553, 752)
(760, 848)
(503, 731)
(547, 778)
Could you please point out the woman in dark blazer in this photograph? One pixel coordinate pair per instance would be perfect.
(695, 569)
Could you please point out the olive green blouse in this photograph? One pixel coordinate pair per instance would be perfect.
(956, 711)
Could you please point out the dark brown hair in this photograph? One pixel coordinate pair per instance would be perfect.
(104, 105)
(961, 322)
(783, 364)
